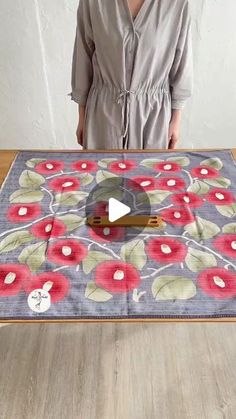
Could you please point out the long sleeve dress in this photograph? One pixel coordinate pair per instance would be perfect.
(130, 73)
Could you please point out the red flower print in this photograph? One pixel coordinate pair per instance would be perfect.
(64, 184)
(107, 234)
(55, 283)
(122, 166)
(146, 183)
(47, 228)
(166, 250)
(218, 282)
(170, 183)
(21, 213)
(84, 166)
(177, 216)
(117, 277)
(101, 208)
(167, 167)
(66, 252)
(205, 172)
(220, 197)
(226, 244)
(49, 166)
(189, 199)
(11, 279)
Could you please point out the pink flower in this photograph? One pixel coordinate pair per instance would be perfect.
(189, 199)
(47, 228)
(220, 197)
(101, 208)
(107, 234)
(146, 183)
(67, 252)
(226, 244)
(21, 213)
(167, 167)
(11, 279)
(218, 282)
(205, 172)
(49, 166)
(166, 250)
(56, 283)
(64, 184)
(84, 166)
(117, 277)
(122, 166)
(177, 216)
(170, 183)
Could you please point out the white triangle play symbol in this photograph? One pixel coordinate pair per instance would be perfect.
(117, 210)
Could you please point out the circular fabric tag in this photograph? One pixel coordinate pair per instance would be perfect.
(39, 301)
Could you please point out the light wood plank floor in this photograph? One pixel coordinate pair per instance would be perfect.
(118, 371)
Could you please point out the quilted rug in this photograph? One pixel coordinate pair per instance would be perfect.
(54, 266)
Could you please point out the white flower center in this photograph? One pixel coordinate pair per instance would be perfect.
(48, 228)
(177, 214)
(204, 172)
(66, 251)
(220, 196)
(233, 245)
(219, 281)
(186, 199)
(166, 249)
(84, 165)
(122, 165)
(168, 167)
(107, 208)
(171, 182)
(22, 211)
(49, 166)
(10, 278)
(145, 183)
(106, 231)
(119, 275)
(67, 184)
(48, 286)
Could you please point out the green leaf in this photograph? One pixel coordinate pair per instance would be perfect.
(104, 163)
(15, 240)
(85, 179)
(94, 293)
(173, 288)
(34, 256)
(31, 180)
(153, 197)
(198, 187)
(104, 194)
(214, 162)
(134, 252)
(70, 199)
(229, 228)
(33, 162)
(197, 260)
(93, 259)
(220, 182)
(72, 221)
(108, 178)
(150, 163)
(227, 210)
(181, 160)
(202, 229)
(26, 196)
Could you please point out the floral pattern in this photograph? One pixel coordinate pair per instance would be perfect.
(185, 268)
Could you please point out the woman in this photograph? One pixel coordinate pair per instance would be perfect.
(132, 72)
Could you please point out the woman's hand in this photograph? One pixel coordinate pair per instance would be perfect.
(174, 129)
(80, 128)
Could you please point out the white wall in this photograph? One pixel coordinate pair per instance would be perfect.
(36, 42)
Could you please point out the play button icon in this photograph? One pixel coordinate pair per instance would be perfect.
(117, 210)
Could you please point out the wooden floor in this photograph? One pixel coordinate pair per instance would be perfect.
(118, 371)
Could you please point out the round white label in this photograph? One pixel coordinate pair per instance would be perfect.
(39, 301)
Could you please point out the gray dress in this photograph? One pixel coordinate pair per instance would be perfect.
(130, 72)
